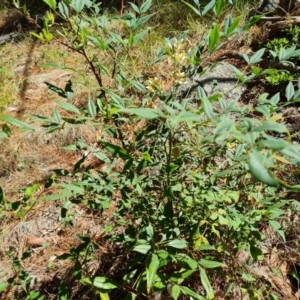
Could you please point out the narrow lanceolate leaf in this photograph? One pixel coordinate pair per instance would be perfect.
(289, 91)
(208, 7)
(51, 3)
(56, 116)
(257, 56)
(259, 171)
(65, 194)
(232, 27)
(73, 187)
(206, 284)
(270, 126)
(101, 44)
(246, 58)
(139, 36)
(213, 38)
(188, 292)
(273, 143)
(63, 9)
(92, 109)
(146, 113)
(209, 264)
(151, 269)
(227, 24)
(100, 155)
(196, 11)
(201, 93)
(78, 5)
(135, 7)
(145, 6)
(219, 7)
(68, 106)
(141, 21)
(139, 86)
(208, 108)
(56, 90)
(17, 123)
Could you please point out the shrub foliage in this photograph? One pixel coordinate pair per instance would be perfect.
(194, 183)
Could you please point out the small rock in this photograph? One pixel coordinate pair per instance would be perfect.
(220, 79)
(281, 7)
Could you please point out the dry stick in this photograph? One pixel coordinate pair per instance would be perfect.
(122, 8)
(134, 292)
(96, 74)
(297, 18)
(83, 52)
(115, 52)
(169, 154)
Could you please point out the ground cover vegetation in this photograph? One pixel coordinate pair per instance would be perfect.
(290, 39)
(152, 193)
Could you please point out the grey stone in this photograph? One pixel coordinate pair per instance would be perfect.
(277, 6)
(219, 80)
(222, 80)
